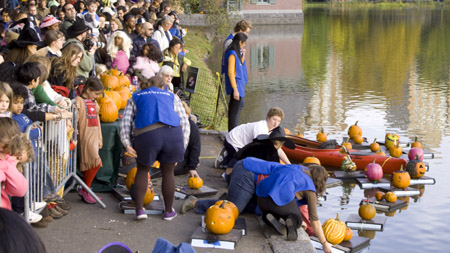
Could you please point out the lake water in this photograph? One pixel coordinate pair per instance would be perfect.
(390, 70)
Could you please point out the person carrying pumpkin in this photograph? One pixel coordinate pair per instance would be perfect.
(90, 134)
(286, 187)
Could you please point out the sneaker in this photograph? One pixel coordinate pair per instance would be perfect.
(64, 205)
(86, 196)
(141, 214)
(275, 224)
(170, 216)
(40, 224)
(219, 159)
(188, 204)
(62, 211)
(46, 215)
(291, 229)
(34, 217)
(39, 205)
(54, 213)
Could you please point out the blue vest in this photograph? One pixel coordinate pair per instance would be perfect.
(154, 105)
(241, 74)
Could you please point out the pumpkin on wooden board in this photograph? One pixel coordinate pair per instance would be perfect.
(334, 230)
(354, 130)
(416, 143)
(321, 136)
(374, 146)
(149, 194)
(300, 135)
(373, 171)
(219, 220)
(358, 139)
(348, 234)
(312, 159)
(416, 154)
(390, 140)
(390, 197)
(379, 152)
(115, 97)
(347, 145)
(131, 175)
(416, 168)
(401, 178)
(231, 205)
(108, 110)
(195, 182)
(110, 82)
(367, 211)
(379, 195)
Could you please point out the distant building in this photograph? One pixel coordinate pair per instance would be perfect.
(268, 11)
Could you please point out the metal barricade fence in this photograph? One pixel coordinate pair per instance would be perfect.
(54, 163)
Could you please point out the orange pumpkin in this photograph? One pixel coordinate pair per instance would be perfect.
(374, 146)
(149, 194)
(379, 152)
(367, 211)
(131, 175)
(115, 97)
(416, 144)
(125, 94)
(321, 136)
(379, 195)
(108, 110)
(416, 168)
(287, 131)
(348, 234)
(400, 178)
(354, 131)
(219, 220)
(312, 159)
(300, 135)
(390, 140)
(396, 150)
(358, 139)
(123, 81)
(195, 182)
(231, 205)
(390, 197)
(114, 72)
(334, 230)
(110, 82)
(347, 145)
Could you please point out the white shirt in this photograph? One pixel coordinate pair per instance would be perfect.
(244, 134)
(160, 36)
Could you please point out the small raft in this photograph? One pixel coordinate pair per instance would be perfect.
(334, 157)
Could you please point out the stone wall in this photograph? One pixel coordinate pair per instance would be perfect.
(260, 17)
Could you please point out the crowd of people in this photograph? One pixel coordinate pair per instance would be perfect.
(51, 57)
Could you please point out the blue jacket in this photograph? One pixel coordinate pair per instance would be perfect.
(284, 180)
(241, 74)
(23, 121)
(155, 105)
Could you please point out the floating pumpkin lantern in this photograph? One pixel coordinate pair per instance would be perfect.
(416, 143)
(367, 210)
(416, 168)
(416, 154)
(379, 152)
(108, 110)
(312, 159)
(334, 230)
(354, 131)
(401, 178)
(321, 136)
(348, 234)
(390, 197)
(396, 150)
(390, 140)
(195, 182)
(231, 205)
(347, 145)
(373, 171)
(219, 220)
(374, 146)
(300, 135)
(379, 195)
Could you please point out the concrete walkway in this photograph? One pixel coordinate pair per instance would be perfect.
(87, 228)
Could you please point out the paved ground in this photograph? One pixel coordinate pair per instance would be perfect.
(89, 227)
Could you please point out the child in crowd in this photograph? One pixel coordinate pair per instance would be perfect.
(100, 69)
(119, 49)
(13, 183)
(91, 18)
(146, 65)
(5, 99)
(90, 134)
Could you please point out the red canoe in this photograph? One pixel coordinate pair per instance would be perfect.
(334, 158)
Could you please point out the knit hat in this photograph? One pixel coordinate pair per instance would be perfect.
(77, 28)
(49, 20)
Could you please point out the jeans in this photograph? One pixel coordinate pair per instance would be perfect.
(240, 191)
(234, 111)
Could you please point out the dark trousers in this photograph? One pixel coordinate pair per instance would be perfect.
(291, 210)
(234, 111)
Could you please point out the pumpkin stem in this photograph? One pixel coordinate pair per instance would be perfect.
(356, 123)
(321, 129)
(375, 140)
(223, 204)
(415, 139)
(401, 167)
(337, 216)
(417, 156)
(374, 159)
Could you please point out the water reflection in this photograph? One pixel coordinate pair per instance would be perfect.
(388, 69)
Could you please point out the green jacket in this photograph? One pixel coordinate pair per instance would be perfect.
(87, 63)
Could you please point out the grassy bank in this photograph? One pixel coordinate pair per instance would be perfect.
(203, 102)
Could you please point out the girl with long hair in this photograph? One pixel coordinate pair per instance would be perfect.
(235, 77)
(64, 69)
(146, 65)
(119, 49)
